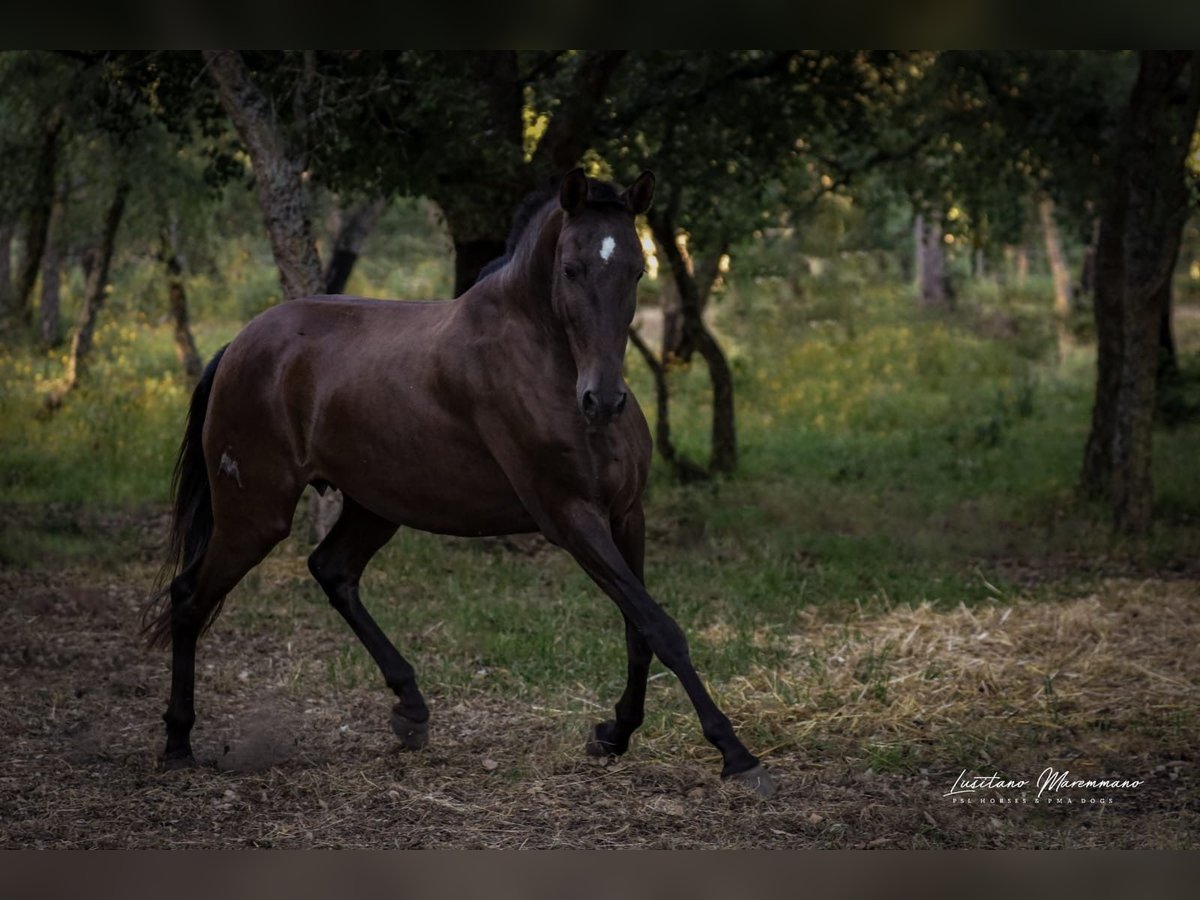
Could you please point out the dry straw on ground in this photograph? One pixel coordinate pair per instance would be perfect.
(1128, 656)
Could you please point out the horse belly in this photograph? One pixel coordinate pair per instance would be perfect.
(446, 486)
(465, 509)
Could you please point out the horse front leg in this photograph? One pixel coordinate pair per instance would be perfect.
(611, 737)
(587, 536)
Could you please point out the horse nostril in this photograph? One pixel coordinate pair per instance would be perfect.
(620, 405)
(590, 405)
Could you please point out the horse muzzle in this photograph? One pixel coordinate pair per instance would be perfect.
(600, 408)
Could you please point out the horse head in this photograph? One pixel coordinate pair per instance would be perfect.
(597, 265)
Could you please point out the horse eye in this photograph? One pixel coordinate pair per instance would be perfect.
(571, 270)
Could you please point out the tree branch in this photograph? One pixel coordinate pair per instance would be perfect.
(569, 133)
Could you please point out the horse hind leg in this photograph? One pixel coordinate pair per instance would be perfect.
(197, 595)
(338, 564)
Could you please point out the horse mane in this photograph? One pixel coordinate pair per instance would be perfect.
(533, 208)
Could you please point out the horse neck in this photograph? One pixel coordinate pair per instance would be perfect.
(530, 275)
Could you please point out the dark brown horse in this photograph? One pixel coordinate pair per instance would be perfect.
(500, 412)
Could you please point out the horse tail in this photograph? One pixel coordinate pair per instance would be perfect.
(191, 511)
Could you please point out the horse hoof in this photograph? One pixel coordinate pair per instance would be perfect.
(758, 780)
(176, 761)
(600, 743)
(412, 735)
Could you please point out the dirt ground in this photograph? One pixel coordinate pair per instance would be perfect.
(291, 760)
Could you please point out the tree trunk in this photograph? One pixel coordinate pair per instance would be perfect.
(979, 264)
(683, 468)
(1168, 363)
(724, 451)
(93, 298)
(1022, 266)
(918, 251)
(1110, 278)
(470, 256)
(354, 226)
(185, 343)
(672, 320)
(704, 271)
(724, 430)
(1087, 271)
(932, 287)
(1059, 273)
(39, 221)
(52, 262)
(8, 231)
(277, 174)
(1150, 184)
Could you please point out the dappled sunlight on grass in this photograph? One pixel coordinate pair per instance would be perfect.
(114, 440)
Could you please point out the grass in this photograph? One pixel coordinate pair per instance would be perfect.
(888, 457)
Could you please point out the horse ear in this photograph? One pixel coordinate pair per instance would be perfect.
(640, 193)
(573, 192)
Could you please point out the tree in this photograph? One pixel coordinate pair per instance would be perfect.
(185, 344)
(932, 282)
(1145, 208)
(1079, 131)
(474, 131)
(354, 224)
(686, 116)
(478, 193)
(1069, 127)
(695, 334)
(91, 119)
(52, 263)
(1058, 270)
(95, 294)
(8, 231)
(484, 130)
(278, 168)
(38, 93)
(983, 132)
(41, 204)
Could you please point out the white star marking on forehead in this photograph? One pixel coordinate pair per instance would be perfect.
(606, 248)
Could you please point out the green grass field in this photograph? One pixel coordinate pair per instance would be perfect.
(887, 457)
